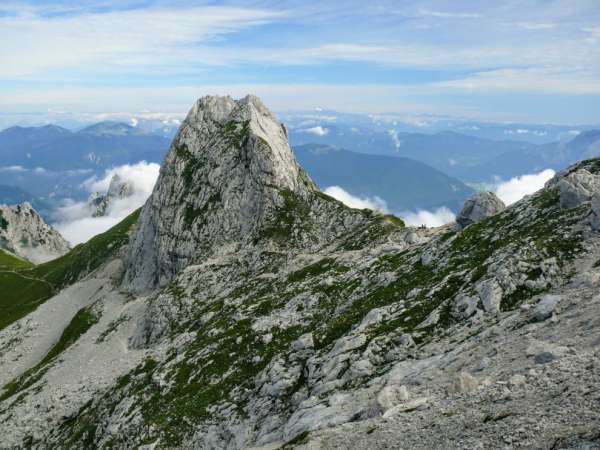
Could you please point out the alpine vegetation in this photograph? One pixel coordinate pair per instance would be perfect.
(241, 307)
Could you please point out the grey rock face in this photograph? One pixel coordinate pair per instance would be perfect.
(24, 233)
(478, 207)
(577, 187)
(490, 293)
(229, 183)
(595, 219)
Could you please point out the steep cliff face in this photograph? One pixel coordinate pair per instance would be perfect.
(24, 233)
(229, 182)
(290, 321)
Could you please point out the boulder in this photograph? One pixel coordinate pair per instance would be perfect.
(544, 352)
(577, 187)
(478, 207)
(546, 307)
(490, 293)
(464, 306)
(391, 396)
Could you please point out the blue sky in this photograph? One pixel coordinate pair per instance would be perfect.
(533, 61)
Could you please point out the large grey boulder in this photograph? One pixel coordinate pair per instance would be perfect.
(577, 187)
(24, 233)
(546, 307)
(478, 207)
(464, 306)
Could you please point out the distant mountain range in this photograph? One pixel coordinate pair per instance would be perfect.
(470, 158)
(380, 128)
(405, 184)
(99, 146)
(12, 195)
(50, 163)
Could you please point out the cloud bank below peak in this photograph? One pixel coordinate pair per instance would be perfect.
(74, 219)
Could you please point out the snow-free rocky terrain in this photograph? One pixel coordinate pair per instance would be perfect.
(242, 308)
(24, 233)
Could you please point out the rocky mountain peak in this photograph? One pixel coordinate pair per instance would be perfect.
(229, 183)
(24, 233)
(98, 203)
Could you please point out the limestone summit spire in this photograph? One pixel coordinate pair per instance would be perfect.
(229, 181)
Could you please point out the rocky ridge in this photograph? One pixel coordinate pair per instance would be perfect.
(300, 323)
(24, 233)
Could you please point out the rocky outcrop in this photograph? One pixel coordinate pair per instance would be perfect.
(229, 183)
(118, 188)
(24, 233)
(478, 207)
(577, 187)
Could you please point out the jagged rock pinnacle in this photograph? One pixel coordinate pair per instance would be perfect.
(229, 181)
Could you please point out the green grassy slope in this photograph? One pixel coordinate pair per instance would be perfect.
(24, 287)
(9, 262)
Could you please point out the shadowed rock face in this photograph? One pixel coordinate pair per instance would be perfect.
(24, 233)
(228, 181)
(478, 207)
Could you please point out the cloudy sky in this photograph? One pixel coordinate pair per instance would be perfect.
(521, 60)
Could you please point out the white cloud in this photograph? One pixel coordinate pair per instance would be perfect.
(121, 38)
(375, 203)
(555, 80)
(448, 15)
(318, 130)
(74, 219)
(516, 188)
(394, 136)
(13, 169)
(436, 218)
(142, 176)
(534, 26)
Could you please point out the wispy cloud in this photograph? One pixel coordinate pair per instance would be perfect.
(317, 131)
(448, 15)
(119, 39)
(574, 81)
(478, 49)
(13, 169)
(374, 203)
